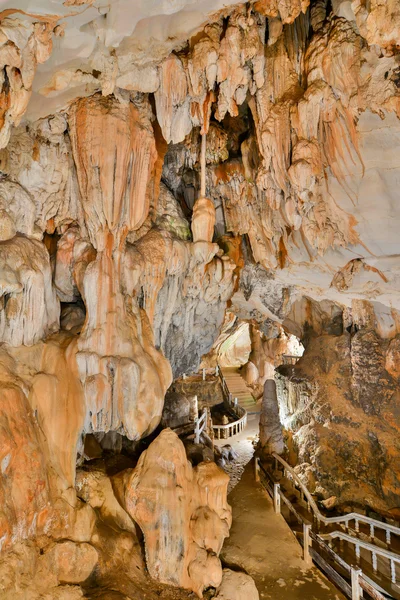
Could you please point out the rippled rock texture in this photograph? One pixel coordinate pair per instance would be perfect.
(183, 513)
(340, 406)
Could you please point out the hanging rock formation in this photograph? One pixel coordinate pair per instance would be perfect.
(115, 365)
(203, 220)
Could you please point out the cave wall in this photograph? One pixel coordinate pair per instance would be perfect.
(339, 406)
(85, 331)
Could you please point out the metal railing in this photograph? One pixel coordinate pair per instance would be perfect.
(358, 580)
(344, 520)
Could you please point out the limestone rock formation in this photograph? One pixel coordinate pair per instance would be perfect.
(182, 512)
(203, 220)
(123, 246)
(236, 586)
(29, 306)
(177, 410)
(23, 45)
(338, 406)
(115, 366)
(271, 437)
(73, 562)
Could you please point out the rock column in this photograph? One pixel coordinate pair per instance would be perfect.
(271, 437)
(123, 375)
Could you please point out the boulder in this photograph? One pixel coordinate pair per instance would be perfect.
(237, 586)
(72, 563)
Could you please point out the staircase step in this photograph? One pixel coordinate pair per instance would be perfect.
(237, 387)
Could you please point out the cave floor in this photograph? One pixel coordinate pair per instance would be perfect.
(262, 544)
(244, 445)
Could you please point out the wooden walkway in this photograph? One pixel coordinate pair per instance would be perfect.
(238, 388)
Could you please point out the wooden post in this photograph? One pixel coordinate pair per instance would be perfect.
(196, 432)
(306, 543)
(204, 374)
(194, 408)
(388, 538)
(393, 571)
(257, 469)
(356, 591)
(277, 498)
(203, 166)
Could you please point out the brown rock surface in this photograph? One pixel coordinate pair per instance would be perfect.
(236, 586)
(341, 406)
(182, 512)
(73, 563)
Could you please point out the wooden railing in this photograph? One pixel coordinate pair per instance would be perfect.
(200, 424)
(290, 359)
(225, 390)
(372, 548)
(230, 429)
(358, 580)
(203, 373)
(343, 520)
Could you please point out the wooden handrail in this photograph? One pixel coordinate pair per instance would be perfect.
(357, 517)
(200, 425)
(359, 542)
(359, 581)
(290, 359)
(241, 422)
(375, 550)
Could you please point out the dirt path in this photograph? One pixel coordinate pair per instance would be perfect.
(262, 544)
(244, 445)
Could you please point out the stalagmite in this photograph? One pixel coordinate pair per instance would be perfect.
(182, 512)
(271, 438)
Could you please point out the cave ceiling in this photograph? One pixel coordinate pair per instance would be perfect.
(300, 102)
